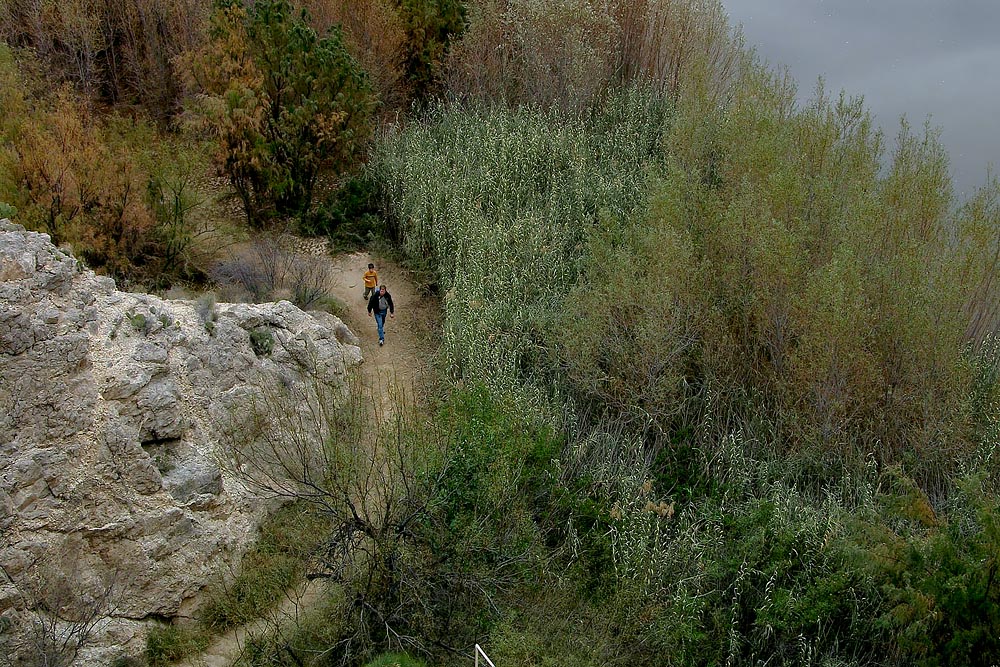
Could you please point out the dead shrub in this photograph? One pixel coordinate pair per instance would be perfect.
(268, 270)
(62, 604)
(113, 188)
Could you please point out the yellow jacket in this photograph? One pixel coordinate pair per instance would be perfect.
(371, 278)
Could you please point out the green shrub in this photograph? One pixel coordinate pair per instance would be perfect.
(499, 465)
(261, 341)
(937, 571)
(430, 27)
(274, 564)
(350, 217)
(140, 323)
(166, 644)
(478, 529)
(447, 522)
(817, 302)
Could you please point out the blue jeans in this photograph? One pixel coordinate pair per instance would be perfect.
(380, 321)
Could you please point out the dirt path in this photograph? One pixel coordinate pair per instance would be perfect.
(391, 374)
(226, 649)
(401, 365)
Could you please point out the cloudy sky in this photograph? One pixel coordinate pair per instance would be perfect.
(922, 58)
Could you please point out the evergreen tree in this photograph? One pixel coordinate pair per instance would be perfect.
(285, 103)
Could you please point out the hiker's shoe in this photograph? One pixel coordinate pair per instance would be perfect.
(381, 342)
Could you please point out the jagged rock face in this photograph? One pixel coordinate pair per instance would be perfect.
(110, 410)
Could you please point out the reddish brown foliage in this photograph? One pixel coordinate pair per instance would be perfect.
(568, 53)
(121, 50)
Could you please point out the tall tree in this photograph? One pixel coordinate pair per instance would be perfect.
(120, 51)
(285, 104)
(430, 27)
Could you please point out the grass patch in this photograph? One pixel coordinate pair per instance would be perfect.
(316, 631)
(495, 206)
(166, 644)
(287, 540)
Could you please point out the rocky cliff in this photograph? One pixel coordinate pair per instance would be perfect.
(110, 409)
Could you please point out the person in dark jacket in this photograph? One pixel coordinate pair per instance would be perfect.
(380, 303)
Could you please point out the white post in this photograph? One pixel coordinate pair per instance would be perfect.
(486, 658)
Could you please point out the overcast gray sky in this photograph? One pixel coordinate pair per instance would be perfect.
(937, 58)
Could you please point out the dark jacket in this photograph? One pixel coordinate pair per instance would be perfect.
(373, 302)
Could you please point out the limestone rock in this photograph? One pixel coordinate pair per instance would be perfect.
(111, 406)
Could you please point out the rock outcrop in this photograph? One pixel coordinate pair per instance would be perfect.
(111, 405)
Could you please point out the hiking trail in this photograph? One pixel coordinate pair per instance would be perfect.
(403, 362)
(387, 374)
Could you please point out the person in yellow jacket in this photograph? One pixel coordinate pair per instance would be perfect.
(371, 280)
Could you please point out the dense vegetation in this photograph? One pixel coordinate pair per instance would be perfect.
(781, 423)
(719, 376)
